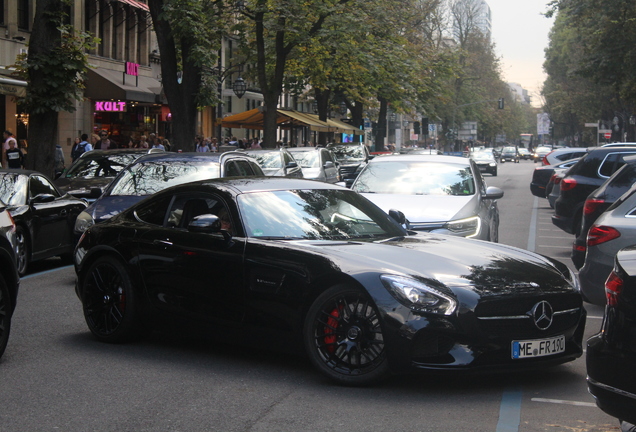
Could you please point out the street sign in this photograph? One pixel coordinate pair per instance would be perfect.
(607, 135)
(591, 124)
(605, 131)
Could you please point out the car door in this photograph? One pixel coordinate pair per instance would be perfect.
(488, 210)
(50, 211)
(191, 273)
(328, 163)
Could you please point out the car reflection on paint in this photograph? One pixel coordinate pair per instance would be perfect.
(300, 265)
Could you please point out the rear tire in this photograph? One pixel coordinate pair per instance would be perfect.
(6, 310)
(343, 337)
(22, 250)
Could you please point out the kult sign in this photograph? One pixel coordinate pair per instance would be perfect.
(110, 106)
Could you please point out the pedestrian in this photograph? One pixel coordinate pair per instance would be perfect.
(142, 142)
(60, 163)
(202, 147)
(14, 156)
(152, 140)
(8, 138)
(255, 144)
(104, 143)
(81, 147)
(157, 145)
(166, 144)
(214, 146)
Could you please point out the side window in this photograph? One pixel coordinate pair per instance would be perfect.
(243, 167)
(186, 207)
(40, 185)
(612, 162)
(231, 170)
(286, 159)
(153, 212)
(256, 168)
(326, 156)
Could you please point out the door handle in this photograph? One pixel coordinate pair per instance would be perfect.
(162, 242)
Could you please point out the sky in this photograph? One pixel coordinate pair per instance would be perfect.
(520, 33)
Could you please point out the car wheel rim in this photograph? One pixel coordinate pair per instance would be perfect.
(348, 336)
(21, 252)
(104, 299)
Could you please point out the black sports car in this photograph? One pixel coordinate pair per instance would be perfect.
(297, 264)
(9, 278)
(44, 217)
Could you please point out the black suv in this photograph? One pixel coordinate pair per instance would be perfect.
(352, 158)
(9, 279)
(599, 201)
(582, 179)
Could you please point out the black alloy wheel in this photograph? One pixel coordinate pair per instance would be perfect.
(343, 337)
(5, 315)
(109, 301)
(22, 250)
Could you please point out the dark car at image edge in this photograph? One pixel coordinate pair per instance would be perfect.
(9, 278)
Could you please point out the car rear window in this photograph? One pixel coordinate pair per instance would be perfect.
(612, 163)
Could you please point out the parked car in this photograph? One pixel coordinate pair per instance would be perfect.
(318, 163)
(94, 170)
(277, 163)
(583, 178)
(553, 189)
(154, 172)
(440, 194)
(563, 154)
(312, 267)
(352, 158)
(9, 278)
(485, 161)
(509, 154)
(542, 175)
(611, 353)
(540, 152)
(599, 201)
(44, 216)
(612, 231)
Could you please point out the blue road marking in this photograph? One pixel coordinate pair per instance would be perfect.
(532, 234)
(510, 411)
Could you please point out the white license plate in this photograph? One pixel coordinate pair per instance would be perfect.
(538, 347)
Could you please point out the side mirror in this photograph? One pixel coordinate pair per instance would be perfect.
(42, 198)
(95, 192)
(329, 164)
(208, 224)
(493, 193)
(291, 165)
(399, 217)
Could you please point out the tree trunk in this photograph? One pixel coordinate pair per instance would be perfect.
(181, 96)
(322, 101)
(269, 119)
(43, 126)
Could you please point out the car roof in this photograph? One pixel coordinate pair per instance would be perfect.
(295, 149)
(189, 157)
(20, 171)
(262, 184)
(117, 152)
(421, 158)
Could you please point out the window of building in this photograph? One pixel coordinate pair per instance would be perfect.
(23, 14)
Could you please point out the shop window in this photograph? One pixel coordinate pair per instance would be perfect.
(23, 14)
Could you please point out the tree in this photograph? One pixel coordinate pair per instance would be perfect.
(189, 35)
(55, 69)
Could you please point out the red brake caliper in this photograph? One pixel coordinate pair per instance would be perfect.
(332, 323)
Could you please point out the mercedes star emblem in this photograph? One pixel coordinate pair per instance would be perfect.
(542, 313)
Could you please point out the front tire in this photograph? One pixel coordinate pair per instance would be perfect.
(109, 301)
(343, 337)
(6, 310)
(22, 250)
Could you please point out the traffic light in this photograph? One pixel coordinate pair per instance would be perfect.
(416, 128)
(425, 125)
(501, 103)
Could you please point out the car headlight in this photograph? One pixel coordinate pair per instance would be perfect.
(574, 280)
(419, 296)
(83, 222)
(468, 227)
(493, 164)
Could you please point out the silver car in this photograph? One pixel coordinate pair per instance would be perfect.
(440, 194)
(612, 231)
(318, 163)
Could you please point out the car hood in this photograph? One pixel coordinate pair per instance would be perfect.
(424, 208)
(108, 206)
(82, 184)
(452, 261)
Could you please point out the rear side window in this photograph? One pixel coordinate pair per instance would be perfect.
(238, 168)
(153, 212)
(611, 164)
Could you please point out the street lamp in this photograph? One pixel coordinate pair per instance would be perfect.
(343, 108)
(239, 87)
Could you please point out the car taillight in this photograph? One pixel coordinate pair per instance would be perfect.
(613, 287)
(600, 234)
(579, 248)
(567, 184)
(557, 179)
(544, 161)
(591, 205)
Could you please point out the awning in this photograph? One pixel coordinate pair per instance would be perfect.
(109, 84)
(12, 87)
(253, 119)
(135, 4)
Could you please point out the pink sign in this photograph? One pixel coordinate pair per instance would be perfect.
(132, 69)
(110, 106)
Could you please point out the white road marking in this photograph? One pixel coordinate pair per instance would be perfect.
(564, 402)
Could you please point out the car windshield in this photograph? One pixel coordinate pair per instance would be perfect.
(147, 178)
(13, 189)
(482, 154)
(101, 165)
(544, 150)
(416, 178)
(353, 153)
(307, 159)
(268, 160)
(332, 214)
(509, 150)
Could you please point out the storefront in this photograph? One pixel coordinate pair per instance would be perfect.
(126, 106)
